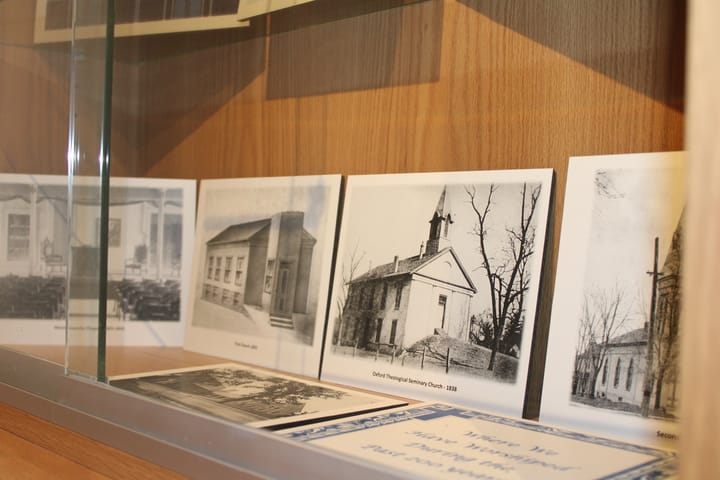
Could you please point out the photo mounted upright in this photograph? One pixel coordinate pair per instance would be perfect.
(261, 270)
(436, 285)
(149, 245)
(612, 362)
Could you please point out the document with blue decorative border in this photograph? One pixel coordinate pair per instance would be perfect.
(443, 441)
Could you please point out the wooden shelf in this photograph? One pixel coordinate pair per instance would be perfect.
(34, 449)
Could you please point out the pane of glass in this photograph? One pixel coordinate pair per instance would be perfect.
(87, 146)
(34, 85)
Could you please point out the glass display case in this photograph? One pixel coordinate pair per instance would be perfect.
(292, 88)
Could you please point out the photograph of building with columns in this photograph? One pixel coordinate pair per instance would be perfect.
(39, 248)
(33, 248)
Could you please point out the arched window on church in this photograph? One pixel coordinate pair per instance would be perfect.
(618, 367)
(628, 380)
(448, 221)
(605, 370)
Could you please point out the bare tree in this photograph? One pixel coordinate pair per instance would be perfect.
(506, 276)
(605, 185)
(585, 349)
(350, 268)
(513, 330)
(482, 332)
(604, 316)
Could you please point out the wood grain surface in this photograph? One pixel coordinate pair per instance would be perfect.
(33, 449)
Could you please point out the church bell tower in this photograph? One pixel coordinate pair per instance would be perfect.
(440, 225)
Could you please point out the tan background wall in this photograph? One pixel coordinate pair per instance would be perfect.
(336, 87)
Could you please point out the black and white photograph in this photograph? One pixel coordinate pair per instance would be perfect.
(617, 301)
(148, 265)
(33, 249)
(261, 269)
(436, 282)
(251, 396)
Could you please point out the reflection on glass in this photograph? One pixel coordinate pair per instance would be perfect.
(88, 168)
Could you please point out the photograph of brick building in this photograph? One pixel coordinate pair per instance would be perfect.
(261, 269)
(265, 263)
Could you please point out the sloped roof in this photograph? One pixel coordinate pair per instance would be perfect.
(405, 265)
(638, 335)
(239, 232)
(410, 265)
(307, 237)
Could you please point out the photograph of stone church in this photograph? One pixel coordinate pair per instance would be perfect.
(438, 275)
(433, 285)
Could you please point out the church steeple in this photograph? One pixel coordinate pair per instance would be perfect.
(440, 225)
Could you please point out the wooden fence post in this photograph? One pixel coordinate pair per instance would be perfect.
(447, 361)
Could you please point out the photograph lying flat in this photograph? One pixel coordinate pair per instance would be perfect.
(252, 396)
